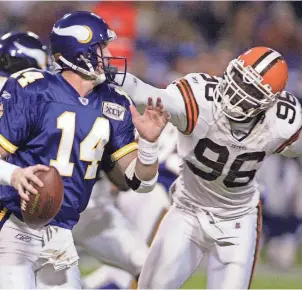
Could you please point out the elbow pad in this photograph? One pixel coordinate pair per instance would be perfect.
(135, 183)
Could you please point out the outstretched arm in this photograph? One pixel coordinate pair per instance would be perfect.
(170, 97)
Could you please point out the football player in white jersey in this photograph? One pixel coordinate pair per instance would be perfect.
(227, 126)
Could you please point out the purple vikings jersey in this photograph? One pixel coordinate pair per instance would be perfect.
(45, 121)
(166, 177)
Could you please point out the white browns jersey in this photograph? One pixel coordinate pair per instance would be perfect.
(218, 170)
(167, 143)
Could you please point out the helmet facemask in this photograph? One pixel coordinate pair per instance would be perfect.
(240, 95)
(109, 65)
(94, 61)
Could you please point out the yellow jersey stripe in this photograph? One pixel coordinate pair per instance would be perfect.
(11, 148)
(124, 151)
(3, 213)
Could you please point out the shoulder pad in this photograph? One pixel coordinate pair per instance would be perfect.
(115, 103)
(115, 94)
(284, 117)
(197, 78)
(202, 86)
(196, 90)
(121, 93)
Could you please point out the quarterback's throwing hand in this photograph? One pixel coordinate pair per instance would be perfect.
(152, 122)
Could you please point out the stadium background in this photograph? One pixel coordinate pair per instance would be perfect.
(166, 40)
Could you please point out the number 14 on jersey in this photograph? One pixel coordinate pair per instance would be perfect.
(91, 148)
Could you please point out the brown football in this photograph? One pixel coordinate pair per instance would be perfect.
(44, 206)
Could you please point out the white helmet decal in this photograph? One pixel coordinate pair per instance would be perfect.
(81, 32)
(37, 54)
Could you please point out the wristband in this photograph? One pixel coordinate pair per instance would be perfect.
(147, 151)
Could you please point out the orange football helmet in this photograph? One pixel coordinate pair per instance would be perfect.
(261, 68)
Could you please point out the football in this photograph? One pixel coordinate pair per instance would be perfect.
(44, 206)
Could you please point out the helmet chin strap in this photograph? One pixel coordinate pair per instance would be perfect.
(99, 78)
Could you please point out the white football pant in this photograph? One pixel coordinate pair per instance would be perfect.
(185, 236)
(28, 257)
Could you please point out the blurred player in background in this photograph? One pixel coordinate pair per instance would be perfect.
(72, 120)
(227, 126)
(107, 235)
(280, 179)
(19, 51)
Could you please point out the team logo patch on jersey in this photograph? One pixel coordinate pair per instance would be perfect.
(84, 101)
(113, 111)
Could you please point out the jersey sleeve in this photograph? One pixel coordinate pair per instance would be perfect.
(171, 97)
(17, 117)
(293, 146)
(182, 92)
(122, 137)
(287, 126)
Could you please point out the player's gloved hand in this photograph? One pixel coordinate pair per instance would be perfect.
(152, 122)
(21, 178)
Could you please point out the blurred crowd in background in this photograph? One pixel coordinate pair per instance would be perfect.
(166, 40)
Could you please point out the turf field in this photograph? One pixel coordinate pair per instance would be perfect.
(265, 277)
(277, 281)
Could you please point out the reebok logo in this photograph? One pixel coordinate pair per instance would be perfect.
(6, 95)
(113, 111)
(23, 238)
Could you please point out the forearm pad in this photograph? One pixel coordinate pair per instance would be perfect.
(135, 183)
